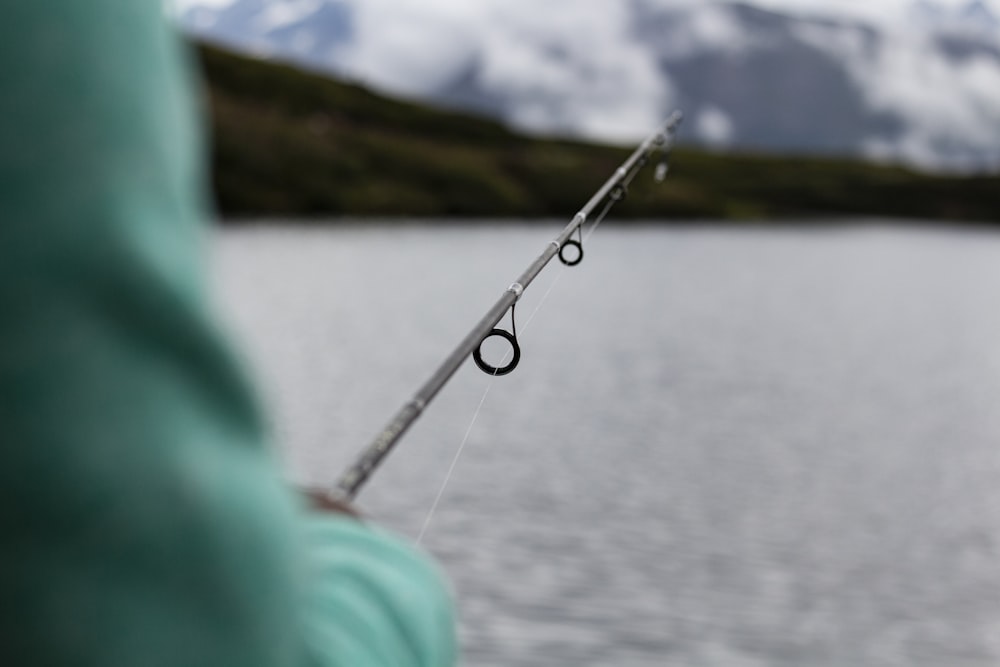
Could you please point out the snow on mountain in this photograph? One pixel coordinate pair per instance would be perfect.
(315, 32)
(920, 84)
(834, 85)
(974, 17)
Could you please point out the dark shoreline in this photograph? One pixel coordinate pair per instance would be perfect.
(819, 224)
(293, 144)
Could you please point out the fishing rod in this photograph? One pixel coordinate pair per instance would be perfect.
(612, 192)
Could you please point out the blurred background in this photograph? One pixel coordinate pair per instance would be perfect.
(910, 86)
(758, 425)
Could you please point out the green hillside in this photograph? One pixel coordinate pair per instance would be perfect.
(295, 144)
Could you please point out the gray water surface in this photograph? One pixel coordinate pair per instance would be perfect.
(722, 448)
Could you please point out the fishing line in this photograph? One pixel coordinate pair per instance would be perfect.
(479, 408)
(454, 461)
(615, 197)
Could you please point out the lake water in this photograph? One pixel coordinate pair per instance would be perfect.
(723, 447)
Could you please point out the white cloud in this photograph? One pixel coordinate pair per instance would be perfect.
(948, 106)
(279, 14)
(878, 10)
(182, 5)
(560, 65)
(713, 126)
(706, 27)
(585, 76)
(410, 47)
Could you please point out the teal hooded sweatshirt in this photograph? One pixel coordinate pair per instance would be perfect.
(143, 519)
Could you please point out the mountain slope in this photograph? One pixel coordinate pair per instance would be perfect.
(294, 144)
(925, 91)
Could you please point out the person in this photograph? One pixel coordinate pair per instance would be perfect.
(143, 519)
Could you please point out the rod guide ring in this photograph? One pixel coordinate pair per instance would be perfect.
(489, 369)
(571, 261)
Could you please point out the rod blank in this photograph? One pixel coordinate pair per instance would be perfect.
(354, 477)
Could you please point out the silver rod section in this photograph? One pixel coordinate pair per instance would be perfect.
(351, 481)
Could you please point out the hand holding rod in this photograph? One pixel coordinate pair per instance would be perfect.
(354, 477)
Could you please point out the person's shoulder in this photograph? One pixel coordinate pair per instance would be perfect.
(389, 597)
